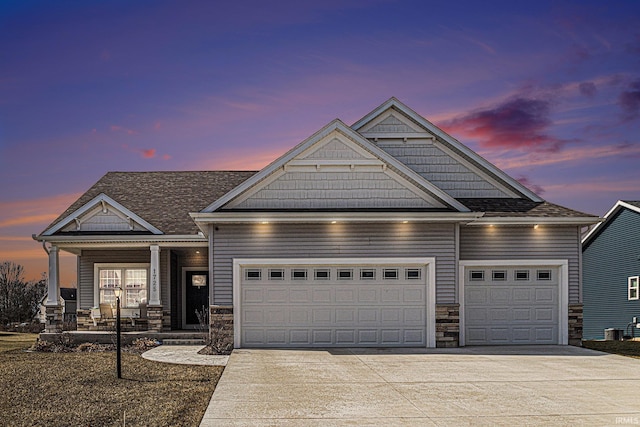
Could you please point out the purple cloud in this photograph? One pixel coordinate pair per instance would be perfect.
(526, 181)
(588, 89)
(629, 101)
(516, 123)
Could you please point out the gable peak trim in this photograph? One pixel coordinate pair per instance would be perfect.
(101, 200)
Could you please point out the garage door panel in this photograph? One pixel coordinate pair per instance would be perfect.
(253, 296)
(367, 315)
(322, 315)
(346, 336)
(299, 337)
(381, 306)
(345, 296)
(274, 296)
(298, 317)
(322, 296)
(511, 310)
(275, 317)
(367, 296)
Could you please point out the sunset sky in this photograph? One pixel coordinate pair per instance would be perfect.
(547, 91)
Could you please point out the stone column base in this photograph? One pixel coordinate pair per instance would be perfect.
(575, 324)
(155, 315)
(53, 323)
(447, 325)
(221, 328)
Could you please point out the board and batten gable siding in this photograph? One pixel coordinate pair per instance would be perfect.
(526, 243)
(609, 260)
(88, 258)
(441, 169)
(335, 241)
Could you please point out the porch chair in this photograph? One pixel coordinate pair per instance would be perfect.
(107, 319)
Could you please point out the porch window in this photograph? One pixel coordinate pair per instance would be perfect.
(633, 284)
(133, 282)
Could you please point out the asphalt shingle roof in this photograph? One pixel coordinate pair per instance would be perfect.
(164, 199)
(520, 208)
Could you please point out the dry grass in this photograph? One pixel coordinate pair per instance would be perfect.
(81, 389)
(624, 348)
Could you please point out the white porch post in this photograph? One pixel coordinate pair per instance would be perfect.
(53, 291)
(154, 290)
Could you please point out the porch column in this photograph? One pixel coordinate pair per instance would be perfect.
(154, 289)
(53, 309)
(53, 295)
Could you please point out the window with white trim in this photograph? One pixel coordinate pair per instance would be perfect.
(633, 286)
(132, 280)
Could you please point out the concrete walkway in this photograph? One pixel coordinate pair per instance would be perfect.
(541, 385)
(184, 355)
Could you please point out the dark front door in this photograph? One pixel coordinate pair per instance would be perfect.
(196, 295)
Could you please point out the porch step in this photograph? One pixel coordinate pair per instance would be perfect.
(183, 341)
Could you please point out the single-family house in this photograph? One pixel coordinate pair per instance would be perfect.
(388, 232)
(611, 271)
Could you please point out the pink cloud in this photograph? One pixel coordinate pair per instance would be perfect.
(166, 157)
(148, 154)
(519, 122)
(35, 212)
(116, 128)
(526, 181)
(574, 155)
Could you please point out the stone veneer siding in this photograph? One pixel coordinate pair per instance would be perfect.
(53, 318)
(575, 324)
(447, 325)
(221, 328)
(155, 316)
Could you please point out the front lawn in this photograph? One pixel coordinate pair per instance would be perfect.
(58, 389)
(624, 348)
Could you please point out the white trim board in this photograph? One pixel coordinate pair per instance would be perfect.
(563, 293)
(428, 262)
(100, 198)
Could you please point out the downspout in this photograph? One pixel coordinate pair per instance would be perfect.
(44, 243)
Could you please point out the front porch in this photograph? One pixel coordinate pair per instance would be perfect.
(163, 288)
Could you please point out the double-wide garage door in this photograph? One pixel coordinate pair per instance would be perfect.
(511, 305)
(315, 305)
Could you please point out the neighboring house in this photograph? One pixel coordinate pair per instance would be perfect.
(388, 232)
(611, 271)
(67, 301)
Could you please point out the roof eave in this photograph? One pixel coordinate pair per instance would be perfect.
(235, 217)
(533, 220)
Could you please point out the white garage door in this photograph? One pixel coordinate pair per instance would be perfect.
(333, 305)
(511, 305)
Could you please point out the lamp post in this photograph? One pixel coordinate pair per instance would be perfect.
(118, 291)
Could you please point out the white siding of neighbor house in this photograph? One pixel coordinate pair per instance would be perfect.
(441, 169)
(334, 190)
(512, 243)
(90, 257)
(337, 241)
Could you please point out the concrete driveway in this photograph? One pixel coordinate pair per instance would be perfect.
(541, 385)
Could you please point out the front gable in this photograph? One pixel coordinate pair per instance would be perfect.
(102, 215)
(336, 169)
(435, 155)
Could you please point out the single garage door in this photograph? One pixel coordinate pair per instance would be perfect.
(319, 305)
(511, 305)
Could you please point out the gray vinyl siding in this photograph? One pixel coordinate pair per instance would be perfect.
(337, 241)
(334, 190)
(89, 257)
(513, 243)
(608, 260)
(442, 170)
